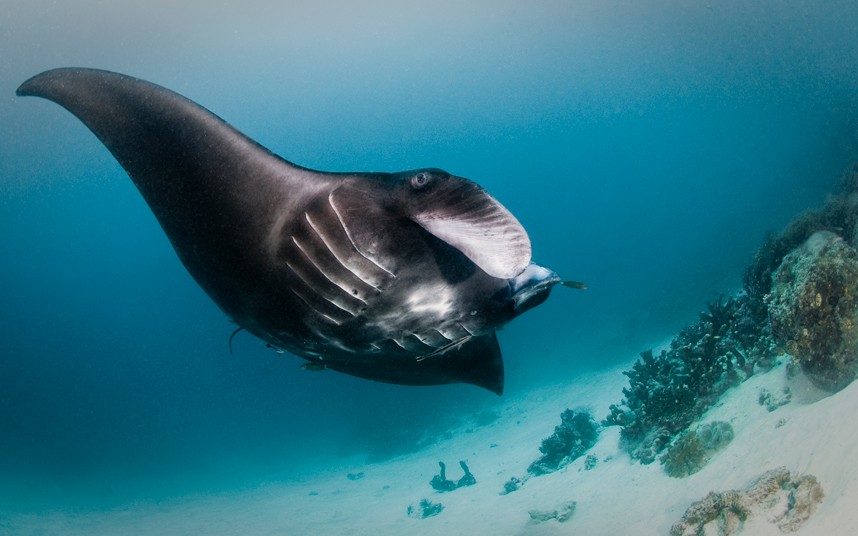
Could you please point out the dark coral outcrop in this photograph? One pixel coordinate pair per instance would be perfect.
(814, 309)
(575, 434)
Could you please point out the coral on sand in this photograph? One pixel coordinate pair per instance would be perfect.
(693, 449)
(440, 483)
(668, 392)
(784, 499)
(805, 298)
(561, 514)
(814, 309)
(513, 484)
(772, 402)
(425, 508)
(575, 434)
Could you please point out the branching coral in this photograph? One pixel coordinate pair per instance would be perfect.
(668, 392)
(576, 433)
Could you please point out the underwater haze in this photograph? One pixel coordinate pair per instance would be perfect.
(646, 146)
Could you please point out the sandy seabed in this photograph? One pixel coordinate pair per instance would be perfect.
(812, 435)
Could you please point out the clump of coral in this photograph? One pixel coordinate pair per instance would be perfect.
(668, 392)
(693, 449)
(575, 434)
(561, 514)
(513, 484)
(772, 402)
(440, 483)
(814, 309)
(425, 508)
(786, 500)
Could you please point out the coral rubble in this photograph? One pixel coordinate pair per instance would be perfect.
(590, 462)
(513, 484)
(814, 309)
(784, 499)
(561, 514)
(575, 434)
(424, 509)
(772, 402)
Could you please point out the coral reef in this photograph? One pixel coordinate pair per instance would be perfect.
(813, 308)
(693, 449)
(783, 499)
(561, 514)
(575, 434)
(355, 476)
(839, 215)
(668, 392)
(440, 483)
(424, 509)
(803, 279)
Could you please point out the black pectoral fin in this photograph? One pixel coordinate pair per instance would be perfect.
(477, 362)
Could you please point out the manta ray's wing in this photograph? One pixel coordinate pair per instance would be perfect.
(215, 192)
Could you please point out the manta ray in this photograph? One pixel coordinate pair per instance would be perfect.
(395, 277)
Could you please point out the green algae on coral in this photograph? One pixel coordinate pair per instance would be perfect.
(693, 449)
(814, 309)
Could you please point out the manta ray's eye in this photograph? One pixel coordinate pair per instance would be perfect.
(420, 180)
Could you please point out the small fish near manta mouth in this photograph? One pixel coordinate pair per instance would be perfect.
(324, 265)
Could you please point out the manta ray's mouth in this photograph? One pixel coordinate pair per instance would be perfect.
(532, 286)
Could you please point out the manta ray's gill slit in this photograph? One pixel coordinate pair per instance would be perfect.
(466, 329)
(351, 239)
(316, 280)
(397, 343)
(317, 303)
(348, 296)
(412, 343)
(454, 332)
(432, 338)
(310, 306)
(351, 273)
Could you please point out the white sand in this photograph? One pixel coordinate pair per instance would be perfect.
(810, 435)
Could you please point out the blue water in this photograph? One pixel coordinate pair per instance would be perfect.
(646, 146)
